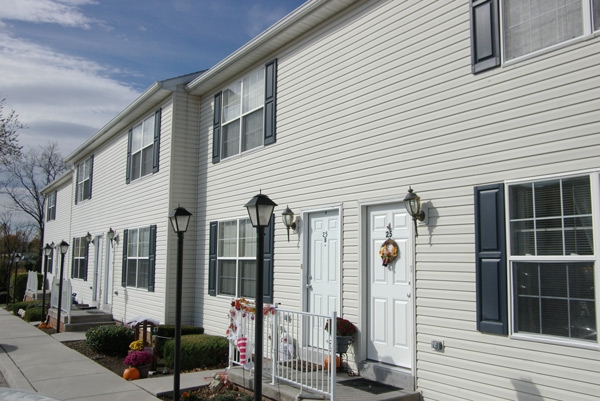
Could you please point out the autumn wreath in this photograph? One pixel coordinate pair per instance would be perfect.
(388, 251)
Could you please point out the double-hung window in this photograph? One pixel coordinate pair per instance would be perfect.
(236, 266)
(232, 259)
(526, 27)
(139, 257)
(80, 258)
(143, 147)
(552, 257)
(51, 207)
(244, 113)
(83, 188)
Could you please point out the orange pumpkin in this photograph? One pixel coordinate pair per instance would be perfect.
(338, 362)
(131, 374)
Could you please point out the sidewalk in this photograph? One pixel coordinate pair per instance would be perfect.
(34, 361)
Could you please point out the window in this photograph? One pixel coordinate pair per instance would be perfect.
(49, 260)
(143, 148)
(552, 259)
(244, 114)
(236, 269)
(232, 259)
(51, 211)
(83, 188)
(139, 257)
(527, 27)
(80, 258)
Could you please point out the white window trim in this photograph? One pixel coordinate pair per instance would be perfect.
(80, 185)
(588, 33)
(137, 271)
(595, 190)
(240, 118)
(51, 210)
(237, 258)
(80, 240)
(141, 124)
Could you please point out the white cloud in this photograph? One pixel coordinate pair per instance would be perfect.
(59, 97)
(63, 12)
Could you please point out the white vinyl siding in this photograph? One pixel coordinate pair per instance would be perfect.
(382, 98)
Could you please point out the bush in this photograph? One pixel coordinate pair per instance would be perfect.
(166, 332)
(33, 314)
(198, 351)
(21, 286)
(25, 305)
(109, 340)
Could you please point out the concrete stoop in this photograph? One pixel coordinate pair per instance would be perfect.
(81, 319)
(287, 392)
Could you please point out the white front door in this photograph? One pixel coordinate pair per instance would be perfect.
(323, 270)
(109, 263)
(390, 330)
(97, 264)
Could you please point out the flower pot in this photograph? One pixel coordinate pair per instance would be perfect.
(343, 342)
(144, 369)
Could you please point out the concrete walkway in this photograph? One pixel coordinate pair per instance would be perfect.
(34, 361)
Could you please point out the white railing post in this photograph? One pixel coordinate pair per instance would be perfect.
(333, 354)
(275, 341)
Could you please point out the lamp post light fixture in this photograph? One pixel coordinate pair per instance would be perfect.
(260, 209)
(63, 246)
(412, 201)
(47, 252)
(111, 236)
(180, 219)
(288, 220)
(17, 260)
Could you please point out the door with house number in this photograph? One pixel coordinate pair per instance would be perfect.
(323, 270)
(390, 329)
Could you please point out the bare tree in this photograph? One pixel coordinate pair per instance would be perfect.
(26, 175)
(9, 124)
(13, 241)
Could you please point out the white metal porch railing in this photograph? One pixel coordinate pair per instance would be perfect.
(67, 298)
(295, 347)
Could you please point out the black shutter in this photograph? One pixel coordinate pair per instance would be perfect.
(73, 258)
(91, 174)
(216, 152)
(124, 268)
(156, 150)
(152, 258)
(212, 259)
(85, 261)
(268, 267)
(490, 254)
(485, 35)
(128, 169)
(76, 183)
(270, 101)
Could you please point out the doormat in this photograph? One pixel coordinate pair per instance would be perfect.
(369, 386)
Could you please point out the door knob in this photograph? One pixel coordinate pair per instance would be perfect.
(308, 286)
(408, 295)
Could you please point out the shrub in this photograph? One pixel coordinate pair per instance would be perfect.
(21, 285)
(166, 332)
(109, 340)
(33, 314)
(25, 305)
(198, 351)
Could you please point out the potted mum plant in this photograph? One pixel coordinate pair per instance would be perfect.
(345, 331)
(138, 360)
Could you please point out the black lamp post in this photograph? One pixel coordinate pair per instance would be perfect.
(64, 246)
(180, 218)
(260, 209)
(47, 252)
(17, 260)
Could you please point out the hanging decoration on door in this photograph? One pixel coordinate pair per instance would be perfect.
(388, 252)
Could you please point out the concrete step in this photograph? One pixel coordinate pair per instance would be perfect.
(81, 319)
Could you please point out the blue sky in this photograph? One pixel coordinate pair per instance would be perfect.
(67, 67)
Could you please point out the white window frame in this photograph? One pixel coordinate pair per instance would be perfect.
(84, 170)
(237, 258)
(79, 246)
(150, 145)
(137, 258)
(595, 258)
(241, 114)
(51, 210)
(588, 31)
